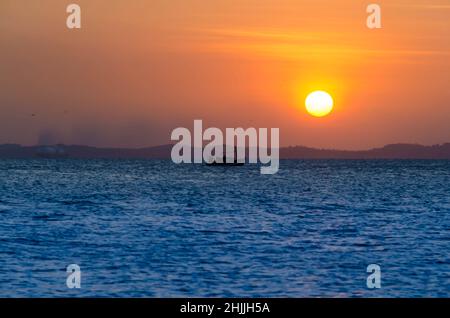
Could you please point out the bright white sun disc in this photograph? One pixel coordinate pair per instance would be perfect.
(319, 103)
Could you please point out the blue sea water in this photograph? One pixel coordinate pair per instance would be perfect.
(149, 228)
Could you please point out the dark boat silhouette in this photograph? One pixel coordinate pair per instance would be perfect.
(224, 161)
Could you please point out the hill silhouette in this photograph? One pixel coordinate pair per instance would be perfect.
(393, 151)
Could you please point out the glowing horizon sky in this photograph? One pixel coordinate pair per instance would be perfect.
(138, 69)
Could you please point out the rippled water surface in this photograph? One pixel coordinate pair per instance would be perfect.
(153, 229)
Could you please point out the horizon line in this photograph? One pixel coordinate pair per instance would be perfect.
(246, 146)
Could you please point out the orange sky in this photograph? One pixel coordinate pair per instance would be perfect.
(138, 69)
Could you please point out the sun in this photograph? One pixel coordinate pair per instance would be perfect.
(319, 103)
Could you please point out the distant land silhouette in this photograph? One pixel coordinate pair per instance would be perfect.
(394, 151)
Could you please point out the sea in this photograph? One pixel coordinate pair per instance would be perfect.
(151, 228)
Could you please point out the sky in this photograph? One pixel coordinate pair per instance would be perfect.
(138, 69)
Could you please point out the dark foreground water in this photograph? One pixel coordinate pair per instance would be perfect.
(154, 229)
